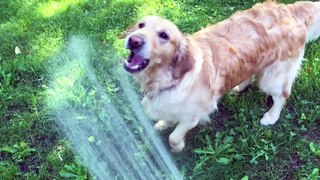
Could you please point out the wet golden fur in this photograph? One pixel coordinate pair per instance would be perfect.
(189, 73)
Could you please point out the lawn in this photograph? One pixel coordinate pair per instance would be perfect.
(33, 33)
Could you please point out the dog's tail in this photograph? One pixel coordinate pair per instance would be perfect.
(308, 13)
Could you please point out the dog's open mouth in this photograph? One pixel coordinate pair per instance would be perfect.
(135, 63)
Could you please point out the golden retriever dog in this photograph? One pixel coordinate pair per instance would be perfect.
(184, 76)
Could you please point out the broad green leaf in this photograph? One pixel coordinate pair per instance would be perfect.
(312, 147)
(315, 172)
(223, 160)
(67, 174)
(245, 178)
(8, 149)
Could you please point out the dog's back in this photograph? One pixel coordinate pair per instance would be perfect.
(253, 39)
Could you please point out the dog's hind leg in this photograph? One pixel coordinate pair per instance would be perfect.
(276, 80)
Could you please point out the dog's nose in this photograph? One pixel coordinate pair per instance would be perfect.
(135, 42)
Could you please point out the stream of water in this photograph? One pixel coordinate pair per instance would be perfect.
(105, 122)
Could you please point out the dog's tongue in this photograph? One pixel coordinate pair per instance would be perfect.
(134, 62)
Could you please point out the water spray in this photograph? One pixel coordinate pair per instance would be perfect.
(106, 126)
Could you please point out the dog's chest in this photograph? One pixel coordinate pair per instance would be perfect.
(165, 109)
(177, 106)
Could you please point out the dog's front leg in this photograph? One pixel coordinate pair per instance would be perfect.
(176, 138)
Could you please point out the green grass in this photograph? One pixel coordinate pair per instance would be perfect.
(232, 146)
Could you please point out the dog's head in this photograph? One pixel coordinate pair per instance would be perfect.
(156, 43)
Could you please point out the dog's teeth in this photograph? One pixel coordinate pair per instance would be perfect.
(132, 66)
(135, 67)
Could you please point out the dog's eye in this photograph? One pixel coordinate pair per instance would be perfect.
(163, 35)
(141, 25)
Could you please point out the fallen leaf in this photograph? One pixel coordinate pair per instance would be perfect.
(17, 50)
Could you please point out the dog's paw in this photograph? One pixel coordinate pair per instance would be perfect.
(176, 143)
(268, 120)
(162, 125)
(177, 147)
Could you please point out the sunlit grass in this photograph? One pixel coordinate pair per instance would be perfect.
(51, 8)
(48, 44)
(149, 8)
(160, 8)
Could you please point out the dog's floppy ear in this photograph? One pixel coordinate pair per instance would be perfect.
(129, 30)
(182, 62)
